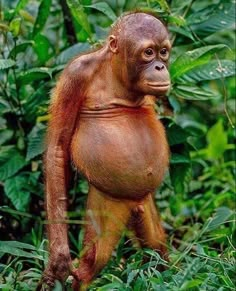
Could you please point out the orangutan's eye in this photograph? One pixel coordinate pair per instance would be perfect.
(163, 52)
(149, 52)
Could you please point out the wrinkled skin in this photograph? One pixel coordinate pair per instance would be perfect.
(103, 119)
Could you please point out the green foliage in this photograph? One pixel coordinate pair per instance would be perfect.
(43, 13)
(192, 59)
(11, 161)
(6, 64)
(197, 197)
(105, 8)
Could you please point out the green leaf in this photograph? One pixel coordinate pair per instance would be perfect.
(15, 190)
(221, 18)
(42, 47)
(164, 5)
(4, 106)
(192, 59)
(176, 134)
(193, 92)
(104, 8)
(20, 48)
(5, 135)
(58, 286)
(11, 161)
(179, 159)
(183, 31)
(176, 19)
(217, 140)
(36, 141)
(35, 74)
(32, 104)
(17, 244)
(213, 70)
(6, 64)
(111, 286)
(15, 26)
(180, 175)
(80, 16)
(71, 52)
(221, 215)
(20, 5)
(43, 13)
(16, 249)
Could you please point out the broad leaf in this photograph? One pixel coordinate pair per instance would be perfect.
(34, 75)
(6, 64)
(20, 5)
(17, 249)
(32, 104)
(193, 92)
(15, 190)
(192, 59)
(180, 175)
(212, 70)
(4, 106)
(104, 8)
(179, 159)
(43, 13)
(5, 135)
(15, 26)
(164, 6)
(11, 161)
(19, 245)
(221, 18)
(20, 48)
(71, 52)
(176, 135)
(42, 47)
(217, 140)
(80, 16)
(221, 215)
(183, 31)
(36, 141)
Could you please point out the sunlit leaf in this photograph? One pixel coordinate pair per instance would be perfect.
(15, 26)
(217, 140)
(164, 5)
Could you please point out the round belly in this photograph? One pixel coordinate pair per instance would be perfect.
(125, 157)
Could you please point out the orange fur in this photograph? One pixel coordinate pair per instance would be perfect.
(103, 118)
